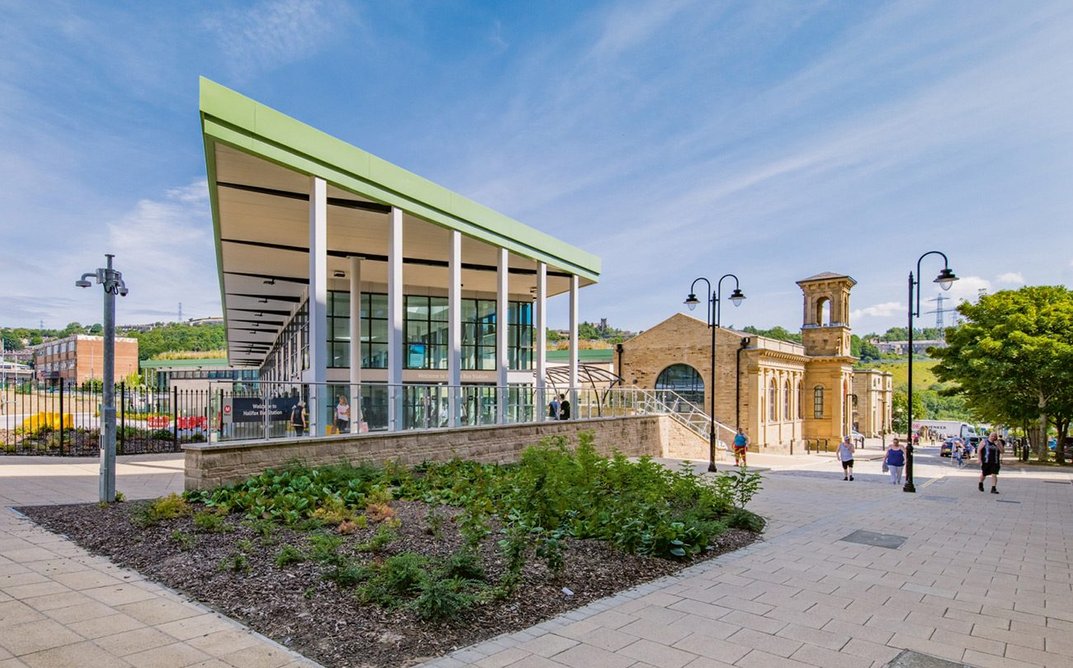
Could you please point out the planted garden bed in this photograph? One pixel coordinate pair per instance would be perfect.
(386, 566)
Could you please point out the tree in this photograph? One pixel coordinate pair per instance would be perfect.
(898, 403)
(777, 332)
(1012, 360)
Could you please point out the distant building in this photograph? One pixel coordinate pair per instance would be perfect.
(193, 374)
(78, 358)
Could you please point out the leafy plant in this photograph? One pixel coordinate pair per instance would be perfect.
(210, 521)
(441, 599)
(185, 540)
(398, 577)
(288, 555)
(164, 508)
(384, 536)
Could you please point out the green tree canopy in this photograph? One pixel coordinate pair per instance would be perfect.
(1012, 359)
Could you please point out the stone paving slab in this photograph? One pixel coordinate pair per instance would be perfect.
(62, 606)
(976, 582)
(979, 581)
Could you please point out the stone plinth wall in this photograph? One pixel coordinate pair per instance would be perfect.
(210, 465)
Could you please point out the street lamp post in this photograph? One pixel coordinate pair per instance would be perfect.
(945, 279)
(713, 323)
(112, 281)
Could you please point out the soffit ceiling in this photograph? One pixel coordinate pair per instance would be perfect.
(264, 250)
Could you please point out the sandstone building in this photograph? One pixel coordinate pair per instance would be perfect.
(781, 393)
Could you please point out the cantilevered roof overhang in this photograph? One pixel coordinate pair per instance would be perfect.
(259, 164)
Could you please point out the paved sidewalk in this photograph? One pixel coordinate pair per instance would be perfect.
(61, 606)
(981, 579)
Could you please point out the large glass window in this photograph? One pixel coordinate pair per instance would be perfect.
(478, 334)
(772, 401)
(338, 329)
(817, 401)
(786, 414)
(374, 352)
(426, 332)
(683, 380)
(520, 336)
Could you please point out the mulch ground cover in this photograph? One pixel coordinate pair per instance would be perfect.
(234, 571)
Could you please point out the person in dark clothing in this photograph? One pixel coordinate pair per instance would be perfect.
(990, 453)
(564, 408)
(298, 419)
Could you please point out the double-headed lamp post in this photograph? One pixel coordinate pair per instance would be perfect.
(945, 279)
(112, 281)
(713, 323)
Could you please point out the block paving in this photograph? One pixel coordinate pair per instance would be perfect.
(977, 582)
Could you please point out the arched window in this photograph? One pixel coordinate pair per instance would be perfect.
(786, 414)
(817, 401)
(823, 312)
(683, 380)
(772, 401)
(800, 391)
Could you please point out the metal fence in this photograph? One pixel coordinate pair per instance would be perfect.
(66, 421)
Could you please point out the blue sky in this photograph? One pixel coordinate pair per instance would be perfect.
(674, 139)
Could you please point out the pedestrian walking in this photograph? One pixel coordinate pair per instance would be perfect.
(990, 454)
(741, 447)
(553, 408)
(298, 419)
(894, 461)
(845, 455)
(564, 408)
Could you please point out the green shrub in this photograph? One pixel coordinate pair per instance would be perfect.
(210, 521)
(384, 536)
(442, 599)
(165, 508)
(463, 565)
(288, 555)
(186, 541)
(397, 578)
(325, 548)
(348, 574)
(744, 519)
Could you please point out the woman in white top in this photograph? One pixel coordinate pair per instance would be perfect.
(845, 455)
(342, 415)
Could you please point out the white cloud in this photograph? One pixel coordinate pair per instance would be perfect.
(1011, 278)
(276, 32)
(884, 310)
(161, 246)
(967, 288)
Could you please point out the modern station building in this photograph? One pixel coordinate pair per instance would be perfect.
(345, 278)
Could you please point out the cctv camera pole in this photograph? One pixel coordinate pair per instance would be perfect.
(112, 281)
(107, 486)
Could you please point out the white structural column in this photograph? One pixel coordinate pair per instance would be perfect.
(356, 416)
(395, 352)
(540, 342)
(454, 328)
(502, 329)
(319, 399)
(574, 285)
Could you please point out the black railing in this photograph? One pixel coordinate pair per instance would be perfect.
(66, 421)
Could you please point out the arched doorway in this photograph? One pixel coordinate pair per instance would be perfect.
(683, 380)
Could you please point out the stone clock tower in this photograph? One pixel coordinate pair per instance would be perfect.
(825, 333)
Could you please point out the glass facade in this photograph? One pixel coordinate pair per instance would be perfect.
(425, 343)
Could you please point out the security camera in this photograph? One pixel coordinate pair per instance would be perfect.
(82, 283)
(123, 291)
